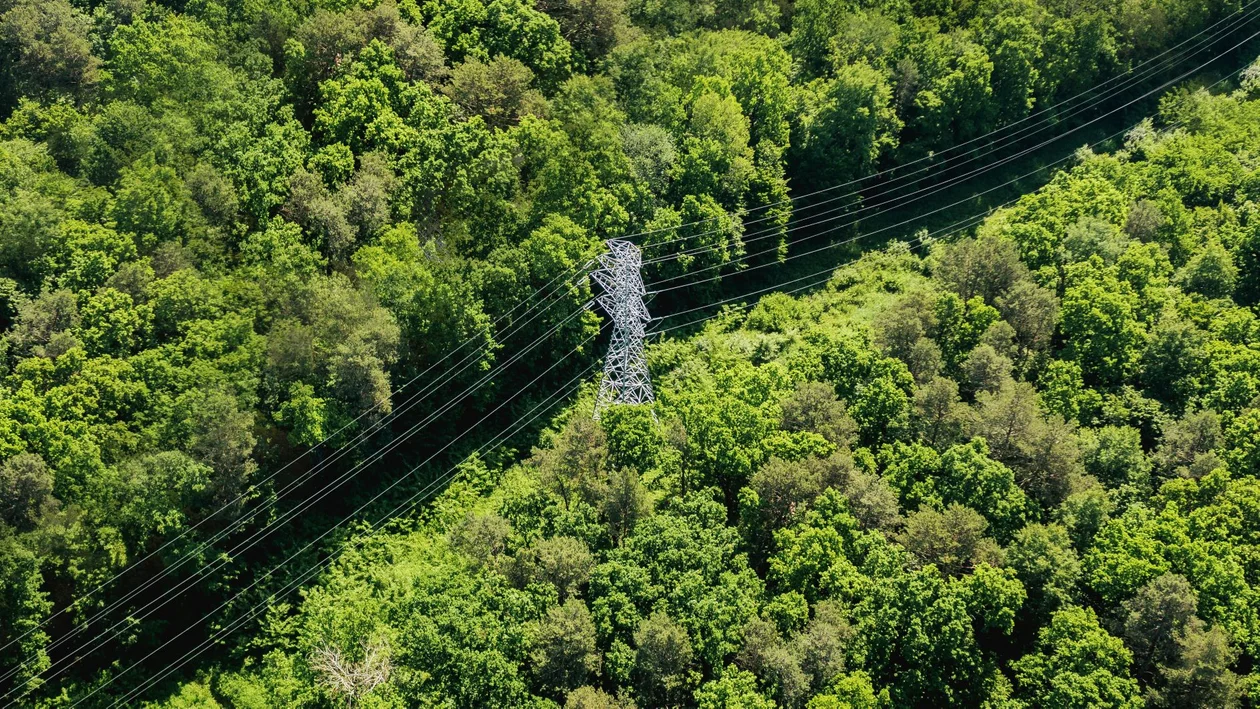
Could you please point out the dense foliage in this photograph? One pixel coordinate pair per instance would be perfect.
(232, 229)
(1016, 471)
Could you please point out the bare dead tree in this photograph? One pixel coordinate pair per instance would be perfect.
(349, 679)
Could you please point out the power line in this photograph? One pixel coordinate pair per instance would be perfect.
(296, 554)
(814, 219)
(336, 526)
(653, 285)
(253, 612)
(168, 594)
(849, 217)
(431, 366)
(1045, 112)
(239, 498)
(959, 226)
(953, 229)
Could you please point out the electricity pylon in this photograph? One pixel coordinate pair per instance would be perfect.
(626, 379)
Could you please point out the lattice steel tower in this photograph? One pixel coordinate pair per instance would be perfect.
(626, 379)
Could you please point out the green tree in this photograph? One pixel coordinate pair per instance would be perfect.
(843, 125)
(950, 667)
(370, 105)
(434, 307)
(987, 266)
(1010, 34)
(1045, 562)
(881, 410)
(1114, 455)
(813, 24)
(593, 27)
(852, 692)
(663, 660)
(26, 485)
(951, 97)
(499, 91)
(813, 406)
(1202, 676)
(954, 540)
(1210, 272)
(510, 28)
(152, 205)
(24, 606)
(168, 58)
(565, 653)
(1088, 49)
(1043, 450)
(563, 562)
(1189, 444)
(735, 688)
(112, 324)
(1155, 620)
(592, 698)
(941, 415)
(95, 253)
(1077, 664)
(970, 478)
(324, 39)
(775, 493)
(1172, 366)
(715, 158)
(52, 47)
(1100, 323)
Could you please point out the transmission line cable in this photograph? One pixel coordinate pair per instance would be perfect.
(541, 339)
(338, 525)
(814, 219)
(282, 468)
(403, 408)
(244, 545)
(257, 608)
(829, 273)
(811, 281)
(952, 229)
(441, 479)
(914, 243)
(653, 285)
(1233, 17)
(502, 317)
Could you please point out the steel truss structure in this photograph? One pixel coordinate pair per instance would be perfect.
(626, 379)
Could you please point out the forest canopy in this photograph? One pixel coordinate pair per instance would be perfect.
(1010, 468)
(921, 486)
